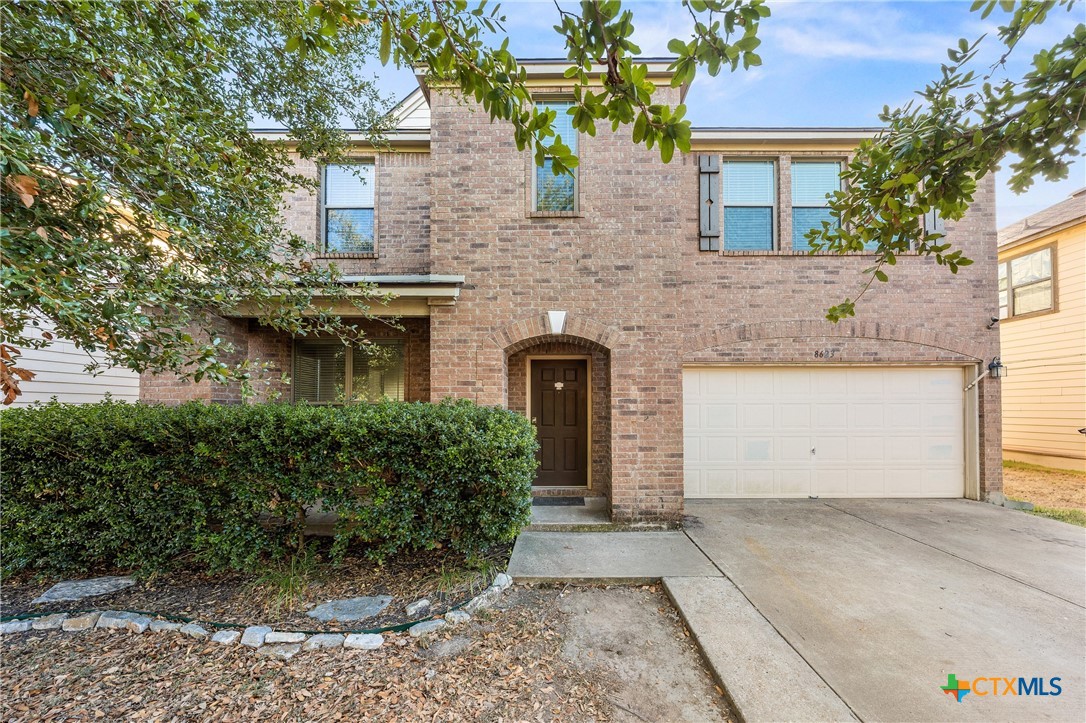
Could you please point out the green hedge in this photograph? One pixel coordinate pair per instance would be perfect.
(138, 485)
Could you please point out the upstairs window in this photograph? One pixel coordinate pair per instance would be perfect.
(1026, 285)
(811, 183)
(348, 209)
(557, 193)
(327, 372)
(749, 195)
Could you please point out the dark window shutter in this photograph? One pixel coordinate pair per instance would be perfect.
(709, 202)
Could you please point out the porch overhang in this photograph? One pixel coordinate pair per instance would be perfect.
(407, 295)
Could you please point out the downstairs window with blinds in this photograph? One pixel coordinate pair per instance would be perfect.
(748, 196)
(327, 372)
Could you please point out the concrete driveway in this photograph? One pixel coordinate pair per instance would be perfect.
(885, 598)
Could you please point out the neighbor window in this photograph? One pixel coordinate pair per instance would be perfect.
(328, 372)
(811, 183)
(348, 208)
(557, 193)
(1026, 284)
(748, 196)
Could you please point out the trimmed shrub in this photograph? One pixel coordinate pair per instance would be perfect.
(138, 485)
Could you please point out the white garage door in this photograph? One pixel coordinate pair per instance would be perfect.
(826, 432)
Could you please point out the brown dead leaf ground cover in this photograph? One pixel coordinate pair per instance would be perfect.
(510, 664)
(445, 578)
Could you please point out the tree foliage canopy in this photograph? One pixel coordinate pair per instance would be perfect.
(136, 201)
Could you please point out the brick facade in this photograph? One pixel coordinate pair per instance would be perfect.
(639, 297)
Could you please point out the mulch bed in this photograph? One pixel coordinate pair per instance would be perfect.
(443, 577)
(503, 666)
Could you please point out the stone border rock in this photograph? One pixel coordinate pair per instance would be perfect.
(278, 644)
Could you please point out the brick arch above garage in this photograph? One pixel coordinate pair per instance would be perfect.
(851, 341)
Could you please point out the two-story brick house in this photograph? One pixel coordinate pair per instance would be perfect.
(662, 324)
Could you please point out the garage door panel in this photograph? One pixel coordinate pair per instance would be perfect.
(793, 416)
(828, 432)
(721, 416)
(756, 483)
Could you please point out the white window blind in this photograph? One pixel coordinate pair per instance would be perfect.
(749, 193)
(348, 208)
(812, 181)
(558, 193)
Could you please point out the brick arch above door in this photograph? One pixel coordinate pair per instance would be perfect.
(538, 328)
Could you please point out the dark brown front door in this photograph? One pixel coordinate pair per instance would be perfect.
(560, 415)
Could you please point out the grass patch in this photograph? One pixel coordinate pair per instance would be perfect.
(1026, 466)
(285, 583)
(1072, 517)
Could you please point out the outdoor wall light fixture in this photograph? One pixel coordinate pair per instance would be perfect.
(996, 370)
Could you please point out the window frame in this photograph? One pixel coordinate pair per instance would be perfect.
(1052, 278)
(533, 193)
(348, 367)
(774, 207)
(792, 206)
(323, 250)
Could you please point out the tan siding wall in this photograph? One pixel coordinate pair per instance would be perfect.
(1044, 393)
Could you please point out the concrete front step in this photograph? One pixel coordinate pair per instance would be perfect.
(606, 557)
(764, 678)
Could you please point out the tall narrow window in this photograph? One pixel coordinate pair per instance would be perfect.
(321, 372)
(748, 195)
(812, 182)
(348, 208)
(557, 193)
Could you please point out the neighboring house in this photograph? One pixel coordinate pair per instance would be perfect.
(661, 324)
(1042, 328)
(59, 371)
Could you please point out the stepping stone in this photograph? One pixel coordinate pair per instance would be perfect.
(282, 651)
(323, 640)
(254, 635)
(226, 637)
(430, 626)
(279, 637)
(79, 589)
(355, 608)
(364, 641)
(86, 621)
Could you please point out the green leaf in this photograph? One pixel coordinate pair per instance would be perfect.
(386, 42)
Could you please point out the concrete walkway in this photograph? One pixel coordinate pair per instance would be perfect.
(609, 557)
(839, 608)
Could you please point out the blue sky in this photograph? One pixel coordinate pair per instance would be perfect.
(825, 63)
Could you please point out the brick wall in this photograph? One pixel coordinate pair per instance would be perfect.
(618, 263)
(601, 401)
(262, 345)
(402, 216)
(629, 263)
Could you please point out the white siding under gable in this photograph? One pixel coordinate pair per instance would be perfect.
(413, 113)
(59, 370)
